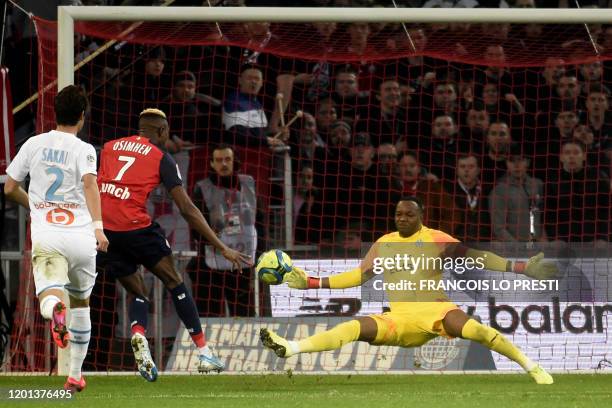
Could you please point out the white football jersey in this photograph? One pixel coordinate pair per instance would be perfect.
(56, 162)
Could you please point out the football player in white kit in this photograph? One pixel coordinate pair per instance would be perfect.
(66, 223)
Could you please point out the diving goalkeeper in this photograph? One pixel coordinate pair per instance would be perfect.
(415, 317)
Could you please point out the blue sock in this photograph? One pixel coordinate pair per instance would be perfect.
(187, 311)
(138, 314)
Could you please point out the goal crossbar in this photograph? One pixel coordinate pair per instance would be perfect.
(67, 15)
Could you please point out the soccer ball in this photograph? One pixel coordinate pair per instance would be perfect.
(272, 266)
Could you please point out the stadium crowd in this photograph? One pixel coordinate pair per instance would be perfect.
(496, 153)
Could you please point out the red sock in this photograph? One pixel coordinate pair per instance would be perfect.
(199, 339)
(138, 329)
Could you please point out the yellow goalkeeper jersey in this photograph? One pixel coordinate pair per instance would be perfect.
(410, 267)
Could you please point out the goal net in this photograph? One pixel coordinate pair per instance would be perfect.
(502, 130)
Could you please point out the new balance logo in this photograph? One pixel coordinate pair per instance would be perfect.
(122, 193)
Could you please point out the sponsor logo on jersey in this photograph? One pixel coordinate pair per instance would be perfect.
(60, 216)
(122, 193)
(47, 204)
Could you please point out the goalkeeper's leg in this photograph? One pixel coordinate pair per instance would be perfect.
(362, 329)
(458, 324)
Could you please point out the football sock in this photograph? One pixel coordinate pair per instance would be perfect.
(47, 305)
(138, 314)
(494, 340)
(80, 332)
(188, 313)
(335, 338)
(205, 351)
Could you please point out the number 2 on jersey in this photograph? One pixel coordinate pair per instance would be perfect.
(128, 163)
(59, 179)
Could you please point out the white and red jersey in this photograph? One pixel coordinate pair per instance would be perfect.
(56, 162)
(130, 168)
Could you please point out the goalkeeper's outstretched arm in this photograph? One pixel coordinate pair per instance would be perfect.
(535, 267)
(298, 279)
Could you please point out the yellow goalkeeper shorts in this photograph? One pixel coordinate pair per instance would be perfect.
(414, 325)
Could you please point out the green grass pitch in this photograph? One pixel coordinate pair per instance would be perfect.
(319, 391)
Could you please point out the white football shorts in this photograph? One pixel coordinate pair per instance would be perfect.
(65, 260)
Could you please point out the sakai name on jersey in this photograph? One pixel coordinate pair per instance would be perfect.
(55, 156)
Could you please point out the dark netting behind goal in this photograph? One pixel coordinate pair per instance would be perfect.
(453, 114)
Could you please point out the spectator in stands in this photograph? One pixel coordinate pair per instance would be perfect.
(598, 116)
(244, 118)
(565, 123)
(309, 148)
(577, 200)
(595, 155)
(229, 203)
(278, 72)
(387, 121)
(325, 115)
(567, 93)
(307, 207)
(495, 73)
(149, 83)
(349, 100)
(359, 33)
(317, 78)
(474, 223)
(439, 153)
(191, 114)
(528, 33)
(477, 124)
(445, 98)
(440, 212)
(340, 134)
(554, 69)
(496, 152)
(497, 32)
(539, 97)
(338, 146)
(605, 37)
(500, 108)
(584, 135)
(361, 192)
(516, 202)
(549, 141)
(590, 73)
(386, 160)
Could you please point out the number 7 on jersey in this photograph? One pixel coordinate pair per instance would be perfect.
(128, 163)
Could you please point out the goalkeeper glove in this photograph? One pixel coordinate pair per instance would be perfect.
(298, 279)
(537, 268)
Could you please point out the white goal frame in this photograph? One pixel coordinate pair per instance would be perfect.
(68, 15)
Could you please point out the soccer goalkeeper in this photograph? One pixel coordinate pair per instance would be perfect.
(415, 318)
